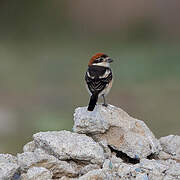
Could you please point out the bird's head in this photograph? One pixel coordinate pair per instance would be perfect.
(100, 59)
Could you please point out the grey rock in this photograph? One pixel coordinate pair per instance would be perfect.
(88, 168)
(160, 169)
(112, 164)
(38, 173)
(98, 175)
(66, 145)
(63, 155)
(174, 170)
(168, 162)
(107, 151)
(63, 168)
(67, 178)
(168, 177)
(107, 164)
(89, 122)
(153, 165)
(171, 145)
(116, 160)
(7, 158)
(8, 170)
(164, 156)
(122, 170)
(26, 160)
(156, 176)
(39, 158)
(142, 176)
(121, 131)
(29, 147)
(126, 171)
(23, 176)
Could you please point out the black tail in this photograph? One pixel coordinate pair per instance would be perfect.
(92, 102)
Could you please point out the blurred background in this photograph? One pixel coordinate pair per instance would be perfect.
(44, 50)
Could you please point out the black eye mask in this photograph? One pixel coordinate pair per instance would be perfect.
(98, 60)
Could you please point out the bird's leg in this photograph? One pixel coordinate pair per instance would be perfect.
(104, 104)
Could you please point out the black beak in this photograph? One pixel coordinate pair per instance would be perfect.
(109, 60)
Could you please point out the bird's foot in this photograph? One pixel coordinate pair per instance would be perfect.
(105, 105)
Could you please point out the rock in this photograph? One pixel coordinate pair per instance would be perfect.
(115, 162)
(168, 177)
(142, 176)
(29, 147)
(122, 170)
(164, 156)
(156, 176)
(174, 170)
(8, 158)
(66, 145)
(107, 164)
(97, 175)
(118, 129)
(63, 168)
(153, 165)
(112, 164)
(107, 151)
(126, 171)
(114, 146)
(38, 173)
(168, 162)
(67, 178)
(88, 168)
(8, 170)
(26, 160)
(41, 159)
(171, 145)
(90, 122)
(160, 169)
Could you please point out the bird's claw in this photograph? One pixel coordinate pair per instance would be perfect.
(105, 105)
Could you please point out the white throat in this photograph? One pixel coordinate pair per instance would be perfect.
(103, 64)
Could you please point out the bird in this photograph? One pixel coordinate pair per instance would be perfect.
(99, 79)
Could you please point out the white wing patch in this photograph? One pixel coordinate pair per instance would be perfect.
(92, 77)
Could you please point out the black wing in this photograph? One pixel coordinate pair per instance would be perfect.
(95, 80)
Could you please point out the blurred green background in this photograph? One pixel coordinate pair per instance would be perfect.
(44, 50)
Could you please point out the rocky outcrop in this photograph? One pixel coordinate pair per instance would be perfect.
(171, 145)
(107, 144)
(37, 173)
(121, 131)
(66, 145)
(8, 170)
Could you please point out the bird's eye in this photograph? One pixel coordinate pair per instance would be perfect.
(96, 61)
